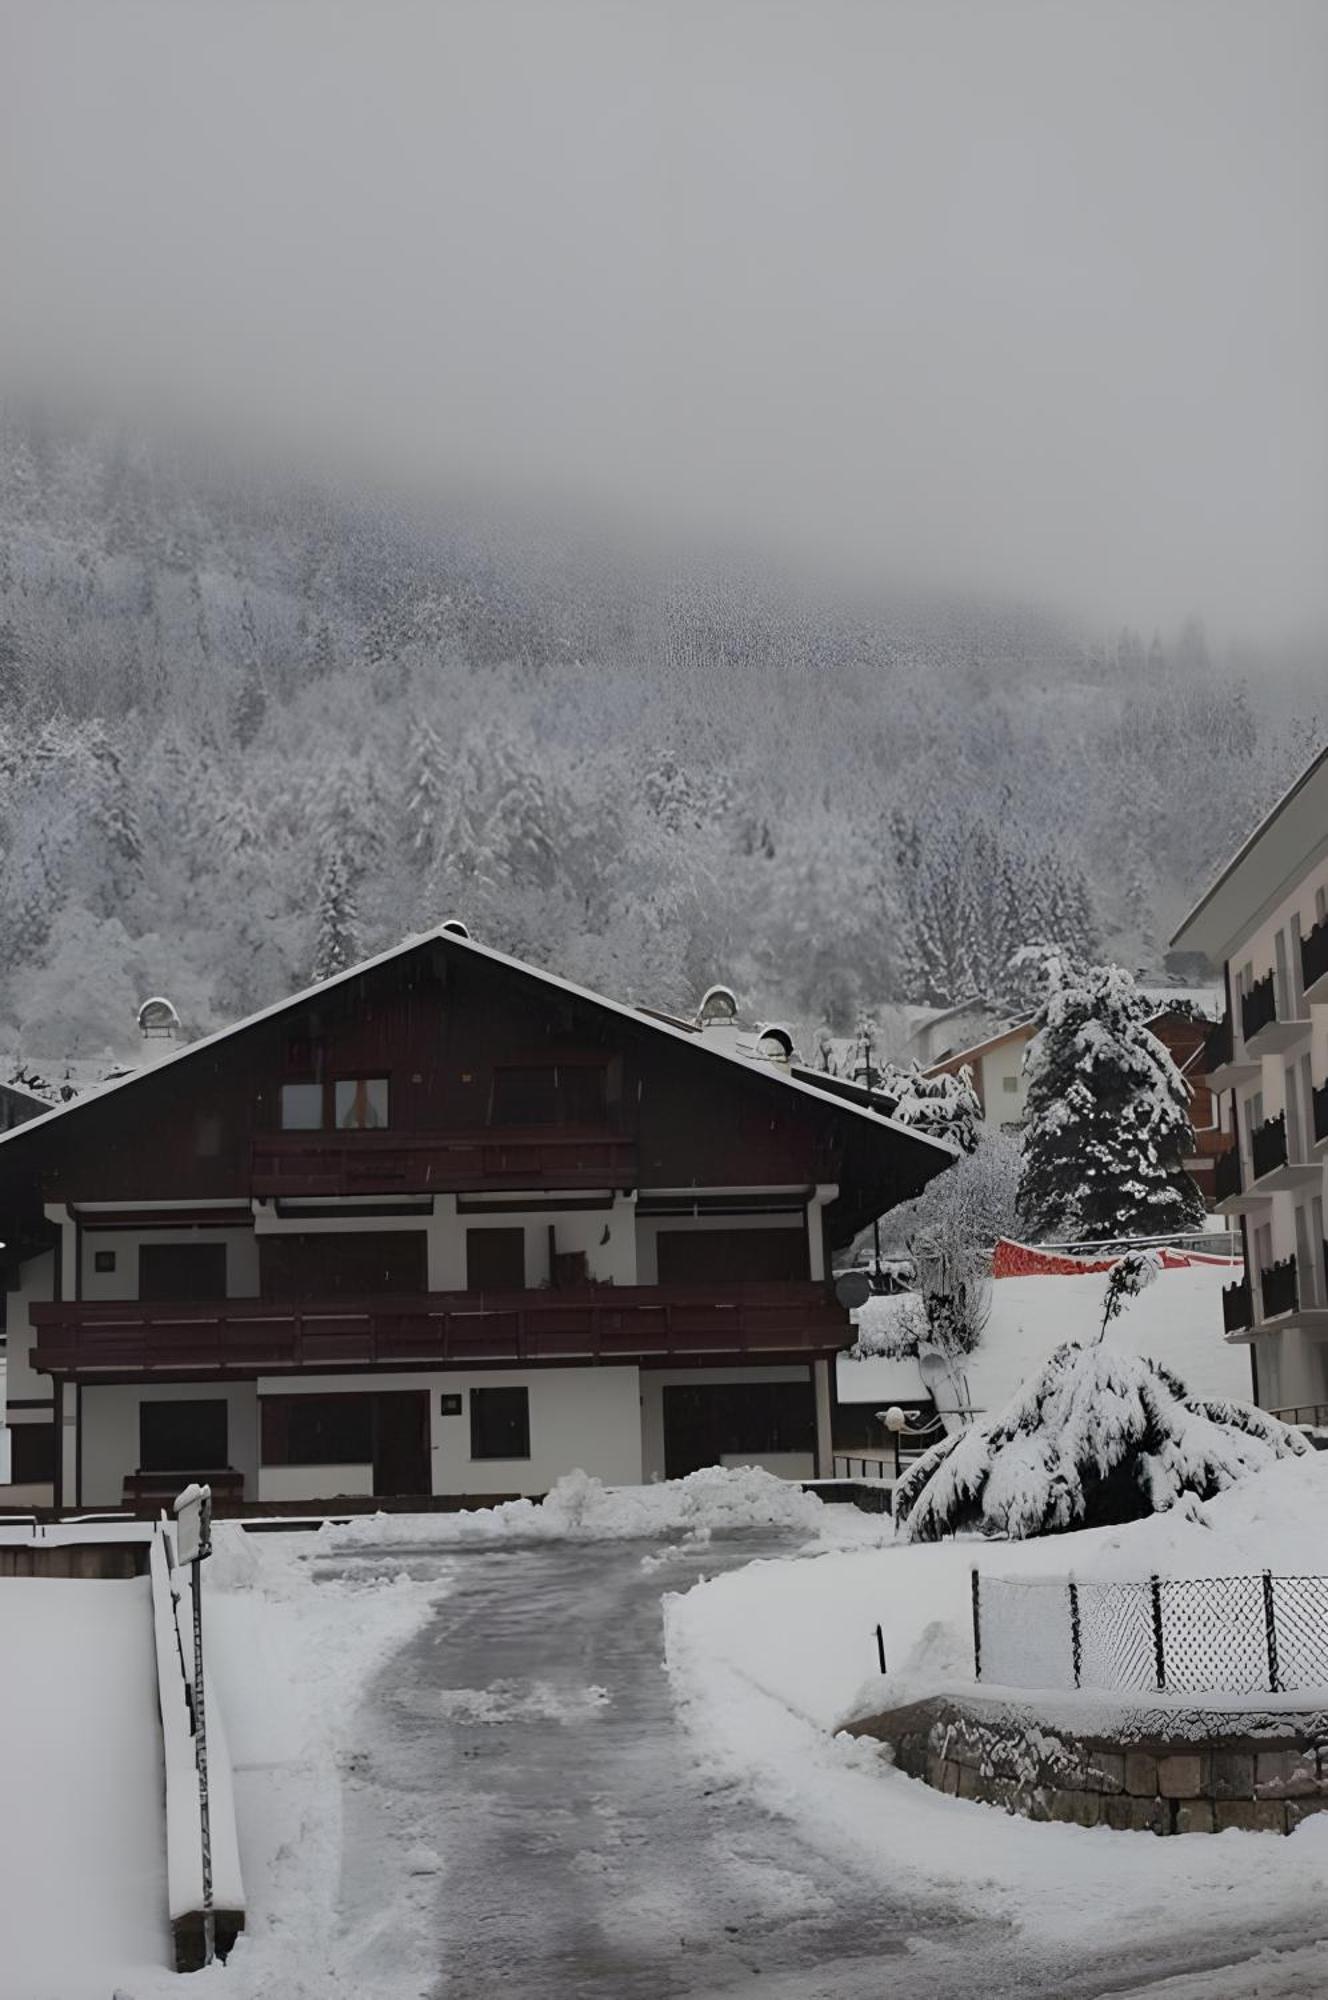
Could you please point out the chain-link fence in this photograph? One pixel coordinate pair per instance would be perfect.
(1260, 1634)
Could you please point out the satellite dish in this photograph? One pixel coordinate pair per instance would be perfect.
(853, 1289)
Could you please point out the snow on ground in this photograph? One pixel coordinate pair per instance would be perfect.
(82, 1844)
(769, 1659)
(1177, 1321)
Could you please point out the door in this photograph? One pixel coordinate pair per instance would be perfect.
(495, 1260)
(730, 1256)
(362, 1264)
(182, 1271)
(703, 1424)
(401, 1443)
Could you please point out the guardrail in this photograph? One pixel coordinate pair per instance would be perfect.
(1254, 1634)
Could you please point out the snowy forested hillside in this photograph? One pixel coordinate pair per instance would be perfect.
(245, 731)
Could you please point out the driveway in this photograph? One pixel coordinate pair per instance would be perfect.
(526, 1818)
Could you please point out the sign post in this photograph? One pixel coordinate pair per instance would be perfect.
(193, 1541)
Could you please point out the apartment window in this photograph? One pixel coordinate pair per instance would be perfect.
(183, 1437)
(495, 1260)
(1009, 1084)
(32, 1454)
(1297, 971)
(500, 1423)
(1320, 905)
(318, 1430)
(182, 1270)
(301, 1107)
(360, 1103)
(103, 1260)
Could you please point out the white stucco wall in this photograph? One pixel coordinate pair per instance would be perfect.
(122, 1282)
(110, 1433)
(314, 1482)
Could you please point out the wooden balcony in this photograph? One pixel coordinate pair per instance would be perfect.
(657, 1323)
(312, 1165)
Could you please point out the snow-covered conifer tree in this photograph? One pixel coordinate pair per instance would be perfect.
(1108, 1121)
(337, 935)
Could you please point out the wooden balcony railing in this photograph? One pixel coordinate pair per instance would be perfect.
(1258, 1007)
(1237, 1309)
(307, 1165)
(1278, 1290)
(1314, 954)
(597, 1323)
(1226, 1174)
(1268, 1146)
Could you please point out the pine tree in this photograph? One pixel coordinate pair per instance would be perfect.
(1108, 1122)
(426, 793)
(337, 937)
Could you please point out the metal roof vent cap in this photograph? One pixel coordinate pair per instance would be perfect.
(158, 1020)
(775, 1044)
(455, 928)
(719, 1004)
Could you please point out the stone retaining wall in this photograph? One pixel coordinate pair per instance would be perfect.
(1159, 1771)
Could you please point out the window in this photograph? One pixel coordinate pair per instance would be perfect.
(318, 1430)
(495, 1260)
(182, 1437)
(301, 1107)
(361, 1264)
(730, 1256)
(1010, 1084)
(182, 1270)
(103, 1260)
(500, 1423)
(361, 1103)
(32, 1454)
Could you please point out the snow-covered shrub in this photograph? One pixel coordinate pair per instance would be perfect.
(1108, 1122)
(1133, 1274)
(892, 1326)
(1095, 1438)
(942, 1107)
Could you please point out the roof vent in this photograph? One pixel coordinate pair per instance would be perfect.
(775, 1044)
(158, 1020)
(718, 1003)
(455, 928)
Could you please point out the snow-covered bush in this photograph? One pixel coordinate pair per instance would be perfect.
(1095, 1438)
(891, 1326)
(1108, 1122)
(942, 1107)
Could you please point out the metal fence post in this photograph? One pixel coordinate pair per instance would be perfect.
(1075, 1645)
(1159, 1656)
(880, 1647)
(1270, 1634)
(976, 1588)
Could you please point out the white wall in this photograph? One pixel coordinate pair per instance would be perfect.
(110, 1433)
(1001, 1066)
(586, 1419)
(122, 1282)
(654, 1381)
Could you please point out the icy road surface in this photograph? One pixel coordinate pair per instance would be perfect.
(525, 1816)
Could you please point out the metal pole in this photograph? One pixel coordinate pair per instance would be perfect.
(200, 1738)
(1159, 1655)
(1270, 1634)
(976, 1587)
(880, 1647)
(1075, 1643)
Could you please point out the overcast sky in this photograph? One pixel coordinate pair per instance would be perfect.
(1034, 294)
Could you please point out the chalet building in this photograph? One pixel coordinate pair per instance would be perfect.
(444, 1225)
(996, 1065)
(1265, 920)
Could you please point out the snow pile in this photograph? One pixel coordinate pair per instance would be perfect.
(582, 1509)
(1096, 1437)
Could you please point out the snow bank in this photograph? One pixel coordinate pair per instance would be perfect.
(767, 1661)
(1177, 1321)
(582, 1509)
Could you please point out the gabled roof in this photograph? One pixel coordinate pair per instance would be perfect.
(1258, 873)
(448, 936)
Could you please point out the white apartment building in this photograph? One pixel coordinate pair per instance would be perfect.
(1265, 920)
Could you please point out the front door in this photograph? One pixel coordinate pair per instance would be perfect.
(401, 1443)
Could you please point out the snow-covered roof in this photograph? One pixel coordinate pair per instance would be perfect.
(777, 1074)
(1257, 874)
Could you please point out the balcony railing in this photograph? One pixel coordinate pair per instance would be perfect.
(1258, 1007)
(1268, 1146)
(1237, 1308)
(599, 1323)
(1314, 954)
(1321, 1111)
(1226, 1174)
(313, 1164)
(1277, 1288)
(1218, 1047)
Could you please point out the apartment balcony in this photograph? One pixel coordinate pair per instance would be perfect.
(239, 1337)
(1320, 1119)
(1274, 1169)
(315, 1165)
(1230, 1194)
(1237, 1311)
(1309, 1314)
(1314, 963)
(1265, 1031)
(1279, 1293)
(1223, 1068)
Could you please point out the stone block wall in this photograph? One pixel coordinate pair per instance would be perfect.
(1157, 1771)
